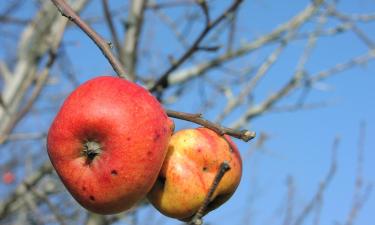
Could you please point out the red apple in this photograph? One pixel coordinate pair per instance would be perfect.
(8, 177)
(108, 142)
(192, 162)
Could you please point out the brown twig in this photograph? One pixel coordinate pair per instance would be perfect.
(163, 80)
(244, 135)
(112, 29)
(206, 12)
(69, 13)
(197, 218)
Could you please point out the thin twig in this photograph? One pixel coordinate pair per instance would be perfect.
(134, 26)
(23, 188)
(169, 4)
(197, 218)
(296, 81)
(69, 13)
(184, 75)
(112, 29)
(163, 80)
(54, 210)
(244, 135)
(290, 201)
(262, 71)
(40, 82)
(318, 196)
(360, 194)
(206, 12)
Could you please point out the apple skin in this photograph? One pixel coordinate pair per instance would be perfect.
(192, 162)
(132, 131)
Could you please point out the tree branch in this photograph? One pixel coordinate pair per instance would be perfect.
(162, 82)
(182, 76)
(69, 13)
(322, 187)
(197, 218)
(46, 37)
(23, 188)
(244, 135)
(134, 26)
(112, 29)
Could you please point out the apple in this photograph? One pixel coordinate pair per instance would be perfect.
(192, 162)
(8, 177)
(108, 142)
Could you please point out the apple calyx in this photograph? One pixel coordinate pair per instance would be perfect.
(91, 150)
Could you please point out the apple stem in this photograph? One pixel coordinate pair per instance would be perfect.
(197, 219)
(91, 149)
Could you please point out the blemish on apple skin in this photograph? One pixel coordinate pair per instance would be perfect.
(114, 173)
(84, 188)
(205, 169)
(92, 198)
(128, 139)
(156, 136)
(149, 153)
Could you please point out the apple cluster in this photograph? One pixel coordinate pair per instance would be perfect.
(112, 145)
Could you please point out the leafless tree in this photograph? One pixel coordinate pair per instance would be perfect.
(39, 69)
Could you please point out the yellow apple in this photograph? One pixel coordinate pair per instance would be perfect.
(192, 162)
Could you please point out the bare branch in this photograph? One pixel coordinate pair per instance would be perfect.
(68, 12)
(44, 39)
(356, 61)
(244, 135)
(322, 187)
(271, 59)
(173, 26)
(162, 82)
(197, 218)
(39, 84)
(184, 75)
(25, 136)
(169, 4)
(360, 194)
(112, 29)
(23, 188)
(96, 219)
(290, 201)
(360, 34)
(294, 82)
(5, 72)
(51, 206)
(134, 26)
(206, 12)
